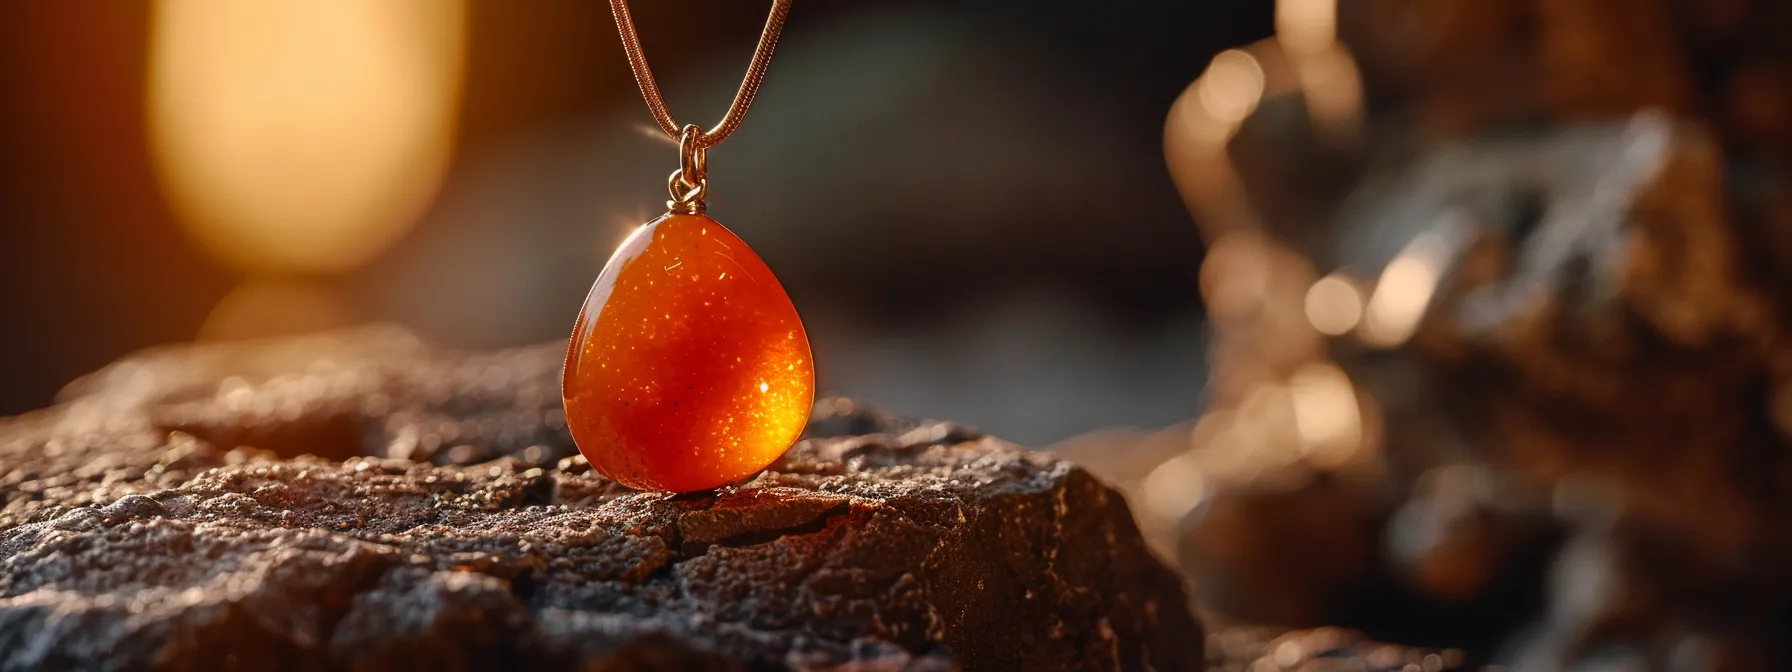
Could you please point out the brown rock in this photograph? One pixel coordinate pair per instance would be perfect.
(158, 518)
(1575, 394)
(1462, 67)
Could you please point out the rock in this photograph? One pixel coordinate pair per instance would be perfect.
(1595, 324)
(1287, 556)
(1465, 66)
(1453, 566)
(361, 500)
(1562, 259)
(1612, 343)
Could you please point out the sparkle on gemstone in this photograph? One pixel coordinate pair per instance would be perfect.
(689, 368)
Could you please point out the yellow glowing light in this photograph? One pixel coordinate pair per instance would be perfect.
(1172, 489)
(1325, 412)
(1333, 87)
(1209, 427)
(1258, 436)
(1231, 87)
(1333, 305)
(302, 135)
(1267, 405)
(1402, 294)
(1399, 301)
(1241, 450)
(1235, 276)
(1306, 26)
(265, 308)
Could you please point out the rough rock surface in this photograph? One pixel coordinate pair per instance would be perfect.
(360, 500)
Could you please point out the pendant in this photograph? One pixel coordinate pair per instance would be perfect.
(688, 368)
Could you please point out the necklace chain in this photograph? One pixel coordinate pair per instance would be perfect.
(749, 85)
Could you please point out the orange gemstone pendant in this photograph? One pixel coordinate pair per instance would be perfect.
(689, 367)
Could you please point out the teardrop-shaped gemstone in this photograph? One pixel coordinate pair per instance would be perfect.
(689, 368)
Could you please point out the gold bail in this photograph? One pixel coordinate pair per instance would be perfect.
(690, 182)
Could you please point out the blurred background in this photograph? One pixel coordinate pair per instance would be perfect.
(968, 202)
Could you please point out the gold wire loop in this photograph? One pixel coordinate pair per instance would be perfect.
(690, 182)
(693, 158)
(743, 98)
(687, 196)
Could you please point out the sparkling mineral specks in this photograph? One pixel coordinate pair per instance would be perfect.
(689, 368)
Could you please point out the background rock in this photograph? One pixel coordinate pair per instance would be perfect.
(1506, 369)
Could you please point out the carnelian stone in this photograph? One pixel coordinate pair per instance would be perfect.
(689, 368)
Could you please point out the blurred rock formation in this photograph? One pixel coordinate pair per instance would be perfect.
(1505, 363)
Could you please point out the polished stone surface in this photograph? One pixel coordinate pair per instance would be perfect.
(689, 368)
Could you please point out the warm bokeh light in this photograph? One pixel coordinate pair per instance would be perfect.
(1235, 276)
(1231, 87)
(267, 308)
(1325, 412)
(1402, 294)
(1195, 149)
(302, 136)
(1174, 487)
(1306, 26)
(1333, 88)
(1307, 31)
(1333, 305)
